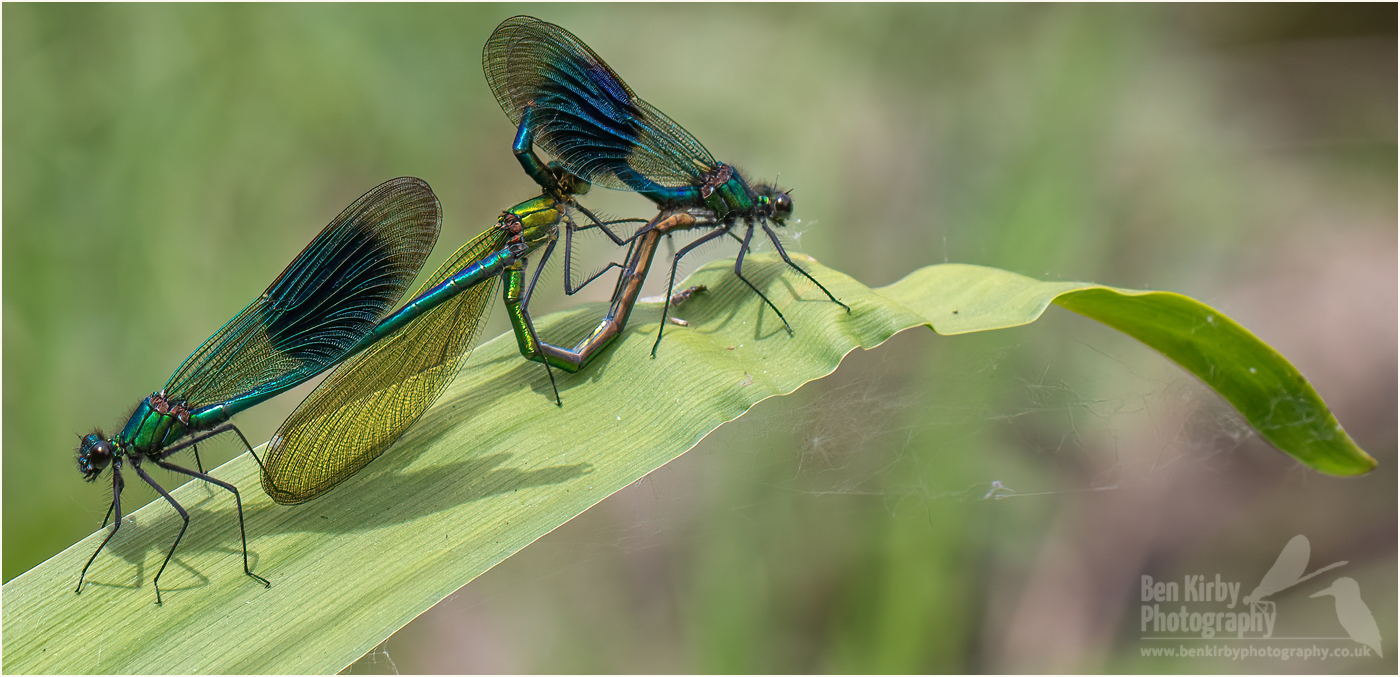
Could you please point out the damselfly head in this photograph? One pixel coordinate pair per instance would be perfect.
(774, 203)
(95, 454)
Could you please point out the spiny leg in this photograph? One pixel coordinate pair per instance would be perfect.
(227, 427)
(569, 229)
(739, 271)
(213, 432)
(544, 259)
(183, 526)
(117, 485)
(196, 439)
(783, 253)
(603, 226)
(200, 464)
(525, 310)
(238, 500)
(675, 262)
(246, 445)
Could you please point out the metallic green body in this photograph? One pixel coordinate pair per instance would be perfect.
(732, 197)
(149, 430)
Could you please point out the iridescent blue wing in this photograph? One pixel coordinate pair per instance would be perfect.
(333, 293)
(583, 114)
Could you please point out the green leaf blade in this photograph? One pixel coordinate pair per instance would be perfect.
(494, 465)
(1274, 398)
(1271, 394)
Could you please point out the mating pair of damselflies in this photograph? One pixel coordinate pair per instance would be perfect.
(330, 306)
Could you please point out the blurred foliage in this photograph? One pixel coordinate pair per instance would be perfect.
(163, 162)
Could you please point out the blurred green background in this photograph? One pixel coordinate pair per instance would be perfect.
(973, 503)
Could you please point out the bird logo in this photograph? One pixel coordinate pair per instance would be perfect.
(1353, 614)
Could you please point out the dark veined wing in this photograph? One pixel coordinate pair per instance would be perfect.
(369, 401)
(583, 113)
(331, 295)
